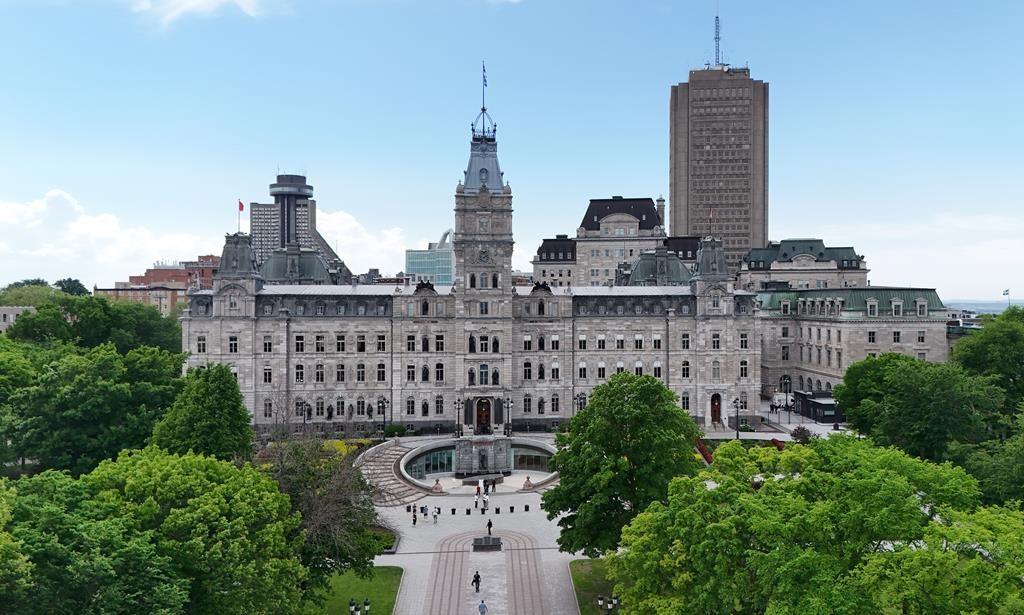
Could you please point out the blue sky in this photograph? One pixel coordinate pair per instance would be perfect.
(129, 128)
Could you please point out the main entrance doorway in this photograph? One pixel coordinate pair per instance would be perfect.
(716, 408)
(483, 416)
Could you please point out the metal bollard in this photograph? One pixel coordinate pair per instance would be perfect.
(526, 507)
(497, 510)
(469, 511)
(511, 509)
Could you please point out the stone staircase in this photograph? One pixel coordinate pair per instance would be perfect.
(382, 473)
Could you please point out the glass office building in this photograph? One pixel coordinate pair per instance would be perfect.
(436, 264)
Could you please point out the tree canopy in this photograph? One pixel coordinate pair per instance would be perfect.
(919, 406)
(90, 321)
(208, 416)
(997, 350)
(615, 457)
(29, 294)
(832, 527)
(88, 406)
(71, 286)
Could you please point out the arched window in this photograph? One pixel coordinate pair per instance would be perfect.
(638, 368)
(483, 375)
(472, 280)
(494, 378)
(801, 381)
(439, 405)
(425, 374)
(494, 345)
(540, 343)
(540, 371)
(527, 403)
(540, 308)
(483, 280)
(425, 409)
(743, 400)
(410, 406)
(472, 376)
(425, 307)
(494, 280)
(828, 387)
(817, 385)
(472, 344)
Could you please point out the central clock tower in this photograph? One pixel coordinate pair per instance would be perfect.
(483, 220)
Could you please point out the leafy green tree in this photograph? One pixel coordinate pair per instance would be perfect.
(88, 563)
(918, 406)
(997, 350)
(28, 282)
(15, 568)
(86, 407)
(615, 458)
(71, 286)
(227, 530)
(28, 294)
(334, 501)
(90, 321)
(998, 465)
(767, 531)
(208, 416)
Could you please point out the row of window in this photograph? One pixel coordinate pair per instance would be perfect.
(835, 308)
(485, 344)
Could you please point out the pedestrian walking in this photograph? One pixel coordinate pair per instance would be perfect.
(482, 608)
(437, 511)
(487, 501)
(476, 582)
(489, 526)
(476, 501)
(478, 489)
(414, 519)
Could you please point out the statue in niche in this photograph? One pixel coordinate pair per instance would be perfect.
(483, 460)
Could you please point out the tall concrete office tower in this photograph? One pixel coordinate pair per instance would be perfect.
(718, 157)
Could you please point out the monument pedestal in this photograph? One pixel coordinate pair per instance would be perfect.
(489, 454)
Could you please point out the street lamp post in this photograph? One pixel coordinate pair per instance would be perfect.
(457, 406)
(736, 407)
(581, 401)
(508, 403)
(382, 409)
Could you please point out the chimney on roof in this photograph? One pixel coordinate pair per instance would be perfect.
(618, 196)
(661, 209)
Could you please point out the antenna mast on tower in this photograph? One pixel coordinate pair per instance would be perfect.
(718, 39)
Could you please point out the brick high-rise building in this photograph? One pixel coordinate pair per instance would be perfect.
(718, 159)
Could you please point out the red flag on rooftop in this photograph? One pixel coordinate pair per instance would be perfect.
(240, 206)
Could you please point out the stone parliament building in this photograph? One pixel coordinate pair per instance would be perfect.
(313, 351)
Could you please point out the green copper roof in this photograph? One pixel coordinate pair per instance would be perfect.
(856, 298)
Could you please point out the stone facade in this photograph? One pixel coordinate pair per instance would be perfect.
(802, 263)
(811, 336)
(480, 354)
(10, 313)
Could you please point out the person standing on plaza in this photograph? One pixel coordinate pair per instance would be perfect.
(489, 526)
(487, 501)
(476, 500)
(436, 512)
(482, 608)
(414, 519)
(476, 582)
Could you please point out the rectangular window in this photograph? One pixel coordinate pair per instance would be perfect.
(485, 344)
(785, 353)
(381, 343)
(527, 343)
(600, 342)
(382, 373)
(410, 373)
(785, 331)
(921, 356)
(361, 407)
(439, 372)
(657, 342)
(839, 336)
(318, 373)
(638, 342)
(527, 404)
(743, 369)
(582, 342)
(268, 343)
(320, 343)
(438, 405)
(201, 344)
(895, 337)
(483, 308)
(583, 372)
(871, 337)
(339, 372)
(233, 343)
(684, 401)
(920, 337)
(556, 373)
(360, 343)
(268, 375)
(300, 343)
(743, 341)
(686, 341)
(410, 343)
(638, 370)
(684, 371)
(620, 342)
(839, 358)
(300, 374)
(527, 371)
(410, 406)
(657, 371)
(554, 343)
(439, 343)
(339, 343)
(601, 372)
(268, 408)
(554, 403)
(320, 402)
(922, 309)
(716, 341)
(872, 309)
(897, 309)
(360, 373)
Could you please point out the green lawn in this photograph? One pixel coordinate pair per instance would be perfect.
(589, 582)
(381, 589)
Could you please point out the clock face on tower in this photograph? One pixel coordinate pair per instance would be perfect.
(485, 257)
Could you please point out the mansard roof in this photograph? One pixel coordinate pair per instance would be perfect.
(787, 249)
(561, 244)
(856, 298)
(642, 209)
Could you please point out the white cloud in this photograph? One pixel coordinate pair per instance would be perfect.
(168, 11)
(55, 237)
(359, 247)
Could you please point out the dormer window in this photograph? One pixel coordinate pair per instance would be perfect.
(922, 308)
(897, 308)
(232, 301)
(872, 308)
